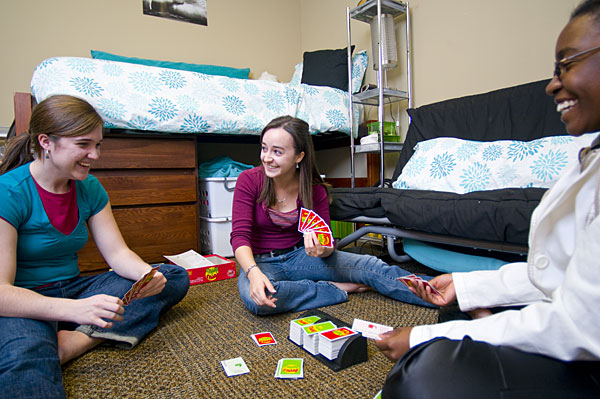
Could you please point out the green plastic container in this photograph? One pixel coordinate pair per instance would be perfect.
(389, 131)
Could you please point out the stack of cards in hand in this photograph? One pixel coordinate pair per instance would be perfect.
(309, 221)
(331, 341)
(411, 281)
(138, 285)
(290, 368)
(296, 328)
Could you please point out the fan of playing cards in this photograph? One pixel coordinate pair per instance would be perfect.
(411, 281)
(309, 221)
(138, 285)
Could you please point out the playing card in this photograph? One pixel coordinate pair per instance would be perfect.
(304, 213)
(433, 289)
(234, 366)
(408, 281)
(306, 320)
(318, 327)
(138, 285)
(326, 239)
(369, 329)
(264, 338)
(317, 223)
(308, 221)
(338, 333)
(290, 368)
(412, 281)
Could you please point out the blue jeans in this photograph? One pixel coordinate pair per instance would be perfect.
(29, 363)
(304, 282)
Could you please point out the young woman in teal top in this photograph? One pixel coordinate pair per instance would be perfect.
(50, 314)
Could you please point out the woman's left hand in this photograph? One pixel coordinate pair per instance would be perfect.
(313, 247)
(155, 286)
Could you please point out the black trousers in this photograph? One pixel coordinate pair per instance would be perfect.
(443, 368)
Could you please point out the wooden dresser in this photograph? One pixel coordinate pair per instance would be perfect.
(152, 184)
(153, 189)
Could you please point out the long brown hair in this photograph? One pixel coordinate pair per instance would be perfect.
(309, 173)
(56, 116)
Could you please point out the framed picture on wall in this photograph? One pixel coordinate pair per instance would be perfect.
(193, 11)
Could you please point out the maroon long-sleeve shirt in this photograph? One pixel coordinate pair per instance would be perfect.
(251, 225)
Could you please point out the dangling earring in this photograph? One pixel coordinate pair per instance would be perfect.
(297, 165)
(47, 154)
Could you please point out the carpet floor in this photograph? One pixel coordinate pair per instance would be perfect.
(181, 358)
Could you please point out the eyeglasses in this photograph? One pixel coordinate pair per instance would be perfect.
(560, 66)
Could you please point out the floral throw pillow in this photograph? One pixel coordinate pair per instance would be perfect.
(462, 166)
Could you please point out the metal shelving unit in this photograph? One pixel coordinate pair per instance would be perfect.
(375, 97)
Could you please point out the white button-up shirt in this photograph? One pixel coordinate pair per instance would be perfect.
(559, 284)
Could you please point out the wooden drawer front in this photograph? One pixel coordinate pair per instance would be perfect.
(144, 153)
(126, 187)
(151, 233)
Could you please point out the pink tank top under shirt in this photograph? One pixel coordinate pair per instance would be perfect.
(61, 209)
(283, 219)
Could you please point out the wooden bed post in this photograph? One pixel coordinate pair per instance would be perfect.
(23, 103)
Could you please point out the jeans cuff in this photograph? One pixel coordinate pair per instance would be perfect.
(120, 341)
(344, 293)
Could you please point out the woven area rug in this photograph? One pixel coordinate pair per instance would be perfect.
(181, 358)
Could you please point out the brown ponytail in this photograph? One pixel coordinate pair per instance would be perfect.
(17, 151)
(56, 116)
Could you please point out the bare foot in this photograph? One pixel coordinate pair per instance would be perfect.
(479, 313)
(72, 344)
(351, 288)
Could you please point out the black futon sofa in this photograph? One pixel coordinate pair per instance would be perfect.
(493, 220)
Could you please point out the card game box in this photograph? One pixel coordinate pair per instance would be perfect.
(204, 269)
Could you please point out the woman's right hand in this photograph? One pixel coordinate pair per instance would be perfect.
(258, 284)
(444, 283)
(99, 310)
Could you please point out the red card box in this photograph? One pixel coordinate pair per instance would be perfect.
(223, 269)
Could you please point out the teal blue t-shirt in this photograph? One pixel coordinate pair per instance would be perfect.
(44, 254)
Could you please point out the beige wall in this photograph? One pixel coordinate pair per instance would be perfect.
(261, 34)
(460, 47)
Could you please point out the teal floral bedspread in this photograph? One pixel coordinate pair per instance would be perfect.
(131, 96)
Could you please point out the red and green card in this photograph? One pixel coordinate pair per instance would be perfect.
(138, 285)
(309, 222)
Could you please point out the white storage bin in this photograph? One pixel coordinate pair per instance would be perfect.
(216, 196)
(214, 236)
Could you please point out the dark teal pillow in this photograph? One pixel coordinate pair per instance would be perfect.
(240, 73)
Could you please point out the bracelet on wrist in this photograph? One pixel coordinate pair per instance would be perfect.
(250, 268)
